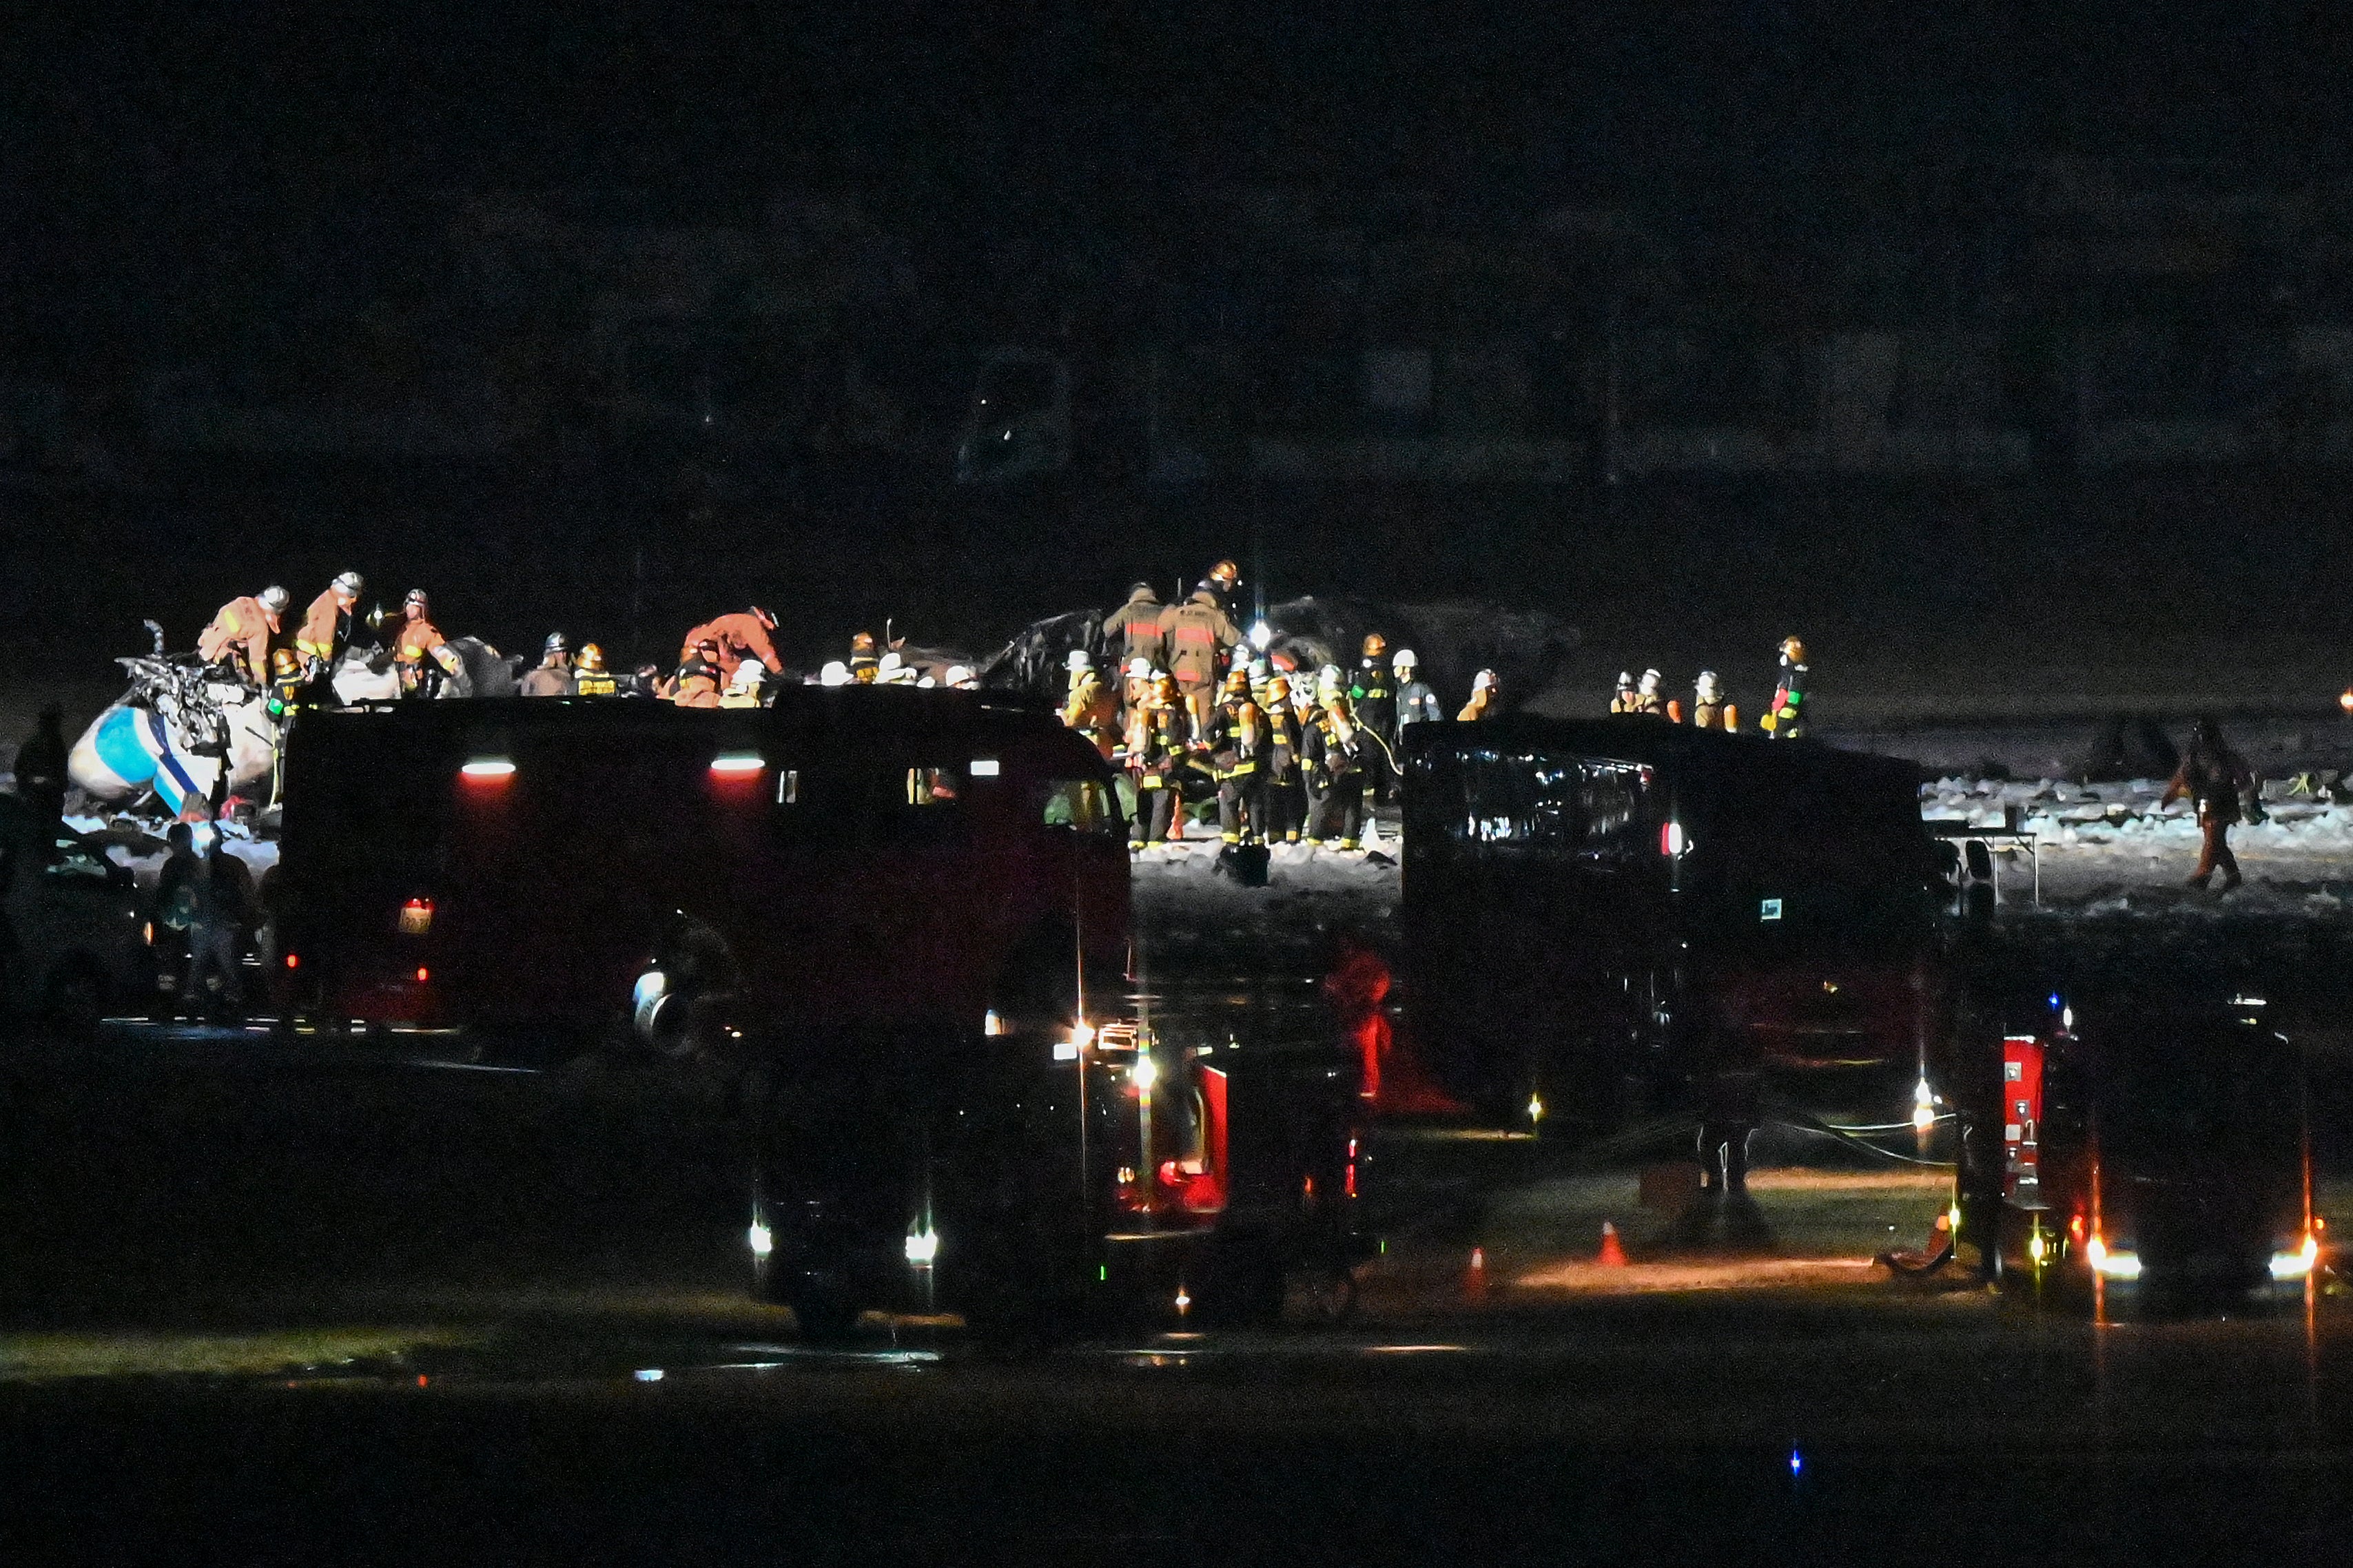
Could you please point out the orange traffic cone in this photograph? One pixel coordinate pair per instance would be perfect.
(1474, 1278)
(1613, 1254)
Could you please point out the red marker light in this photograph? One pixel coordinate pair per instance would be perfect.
(293, 961)
(423, 975)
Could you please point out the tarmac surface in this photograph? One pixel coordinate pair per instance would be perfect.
(366, 1303)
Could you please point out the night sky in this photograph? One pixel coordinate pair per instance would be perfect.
(159, 164)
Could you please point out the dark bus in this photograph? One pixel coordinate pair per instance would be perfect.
(1603, 918)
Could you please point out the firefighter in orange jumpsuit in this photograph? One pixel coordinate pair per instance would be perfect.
(326, 628)
(1485, 693)
(738, 636)
(414, 642)
(240, 631)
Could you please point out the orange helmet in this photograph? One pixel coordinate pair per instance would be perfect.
(592, 657)
(1376, 645)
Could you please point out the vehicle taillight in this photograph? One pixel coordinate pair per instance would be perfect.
(416, 917)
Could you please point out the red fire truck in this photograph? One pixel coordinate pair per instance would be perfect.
(904, 913)
(2152, 1145)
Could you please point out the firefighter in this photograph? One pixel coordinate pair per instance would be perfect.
(41, 771)
(590, 677)
(1650, 702)
(1622, 701)
(1132, 631)
(1135, 685)
(1711, 709)
(286, 682)
(553, 676)
(1089, 706)
(1417, 703)
(1372, 698)
(1335, 767)
(1786, 720)
(1222, 580)
(1200, 635)
(241, 631)
(865, 659)
(1486, 696)
(2214, 776)
(414, 642)
(1159, 735)
(696, 684)
(1237, 740)
(326, 628)
(740, 635)
(1284, 791)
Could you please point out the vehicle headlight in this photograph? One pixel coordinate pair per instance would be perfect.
(2116, 1264)
(2297, 1264)
(762, 1242)
(923, 1246)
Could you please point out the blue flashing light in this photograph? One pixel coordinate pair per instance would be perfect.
(1797, 1462)
(2054, 1001)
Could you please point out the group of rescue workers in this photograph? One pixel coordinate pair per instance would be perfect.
(1712, 707)
(1181, 697)
(1293, 754)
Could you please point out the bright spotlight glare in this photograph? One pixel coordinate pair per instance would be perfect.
(923, 1246)
(1145, 1073)
(762, 1242)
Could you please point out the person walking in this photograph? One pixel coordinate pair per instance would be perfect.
(2214, 776)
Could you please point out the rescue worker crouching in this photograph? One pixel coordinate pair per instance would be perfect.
(735, 638)
(241, 633)
(1089, 706)
(1160, 733)
(553, 676)
(1786, 720)
(1237, 742)
(326, 628)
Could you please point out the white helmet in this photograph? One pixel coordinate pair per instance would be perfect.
(1484, 682)
(1651, 679)
(1139, 668)
(834, 673)
(1404, 660)
(349, 583)
(891, 668)
(1078, 659)
(1706, 687)
(961, 677)
(747, 674)
(275, 599)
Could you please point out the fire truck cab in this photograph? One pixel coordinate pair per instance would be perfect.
(902, 914)
(1601, 916)
(2143, 1148)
